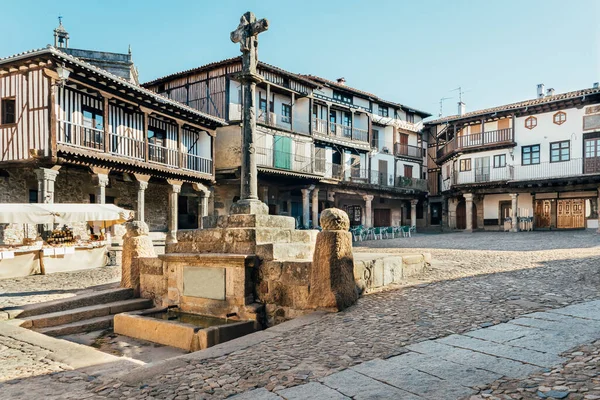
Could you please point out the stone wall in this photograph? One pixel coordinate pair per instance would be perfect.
(75, 185)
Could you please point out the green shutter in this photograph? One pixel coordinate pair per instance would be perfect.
(283, 152)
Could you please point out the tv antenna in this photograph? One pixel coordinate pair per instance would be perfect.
(442, 105)
(460, 93)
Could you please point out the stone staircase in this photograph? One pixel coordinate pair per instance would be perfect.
(87, 312)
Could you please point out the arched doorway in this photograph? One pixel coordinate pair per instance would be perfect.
(461, 215)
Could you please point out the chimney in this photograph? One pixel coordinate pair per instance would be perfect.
(550, 92)
(596, 85)
(540, 93)
(461, 108)
(341, 81)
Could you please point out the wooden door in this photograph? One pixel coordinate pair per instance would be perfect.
(408, 171)
(404, 144)
(436, 214)
(382, 217)
(543, 214)
(592, 156)
(383, 172)
(570, 214)
(461, 215)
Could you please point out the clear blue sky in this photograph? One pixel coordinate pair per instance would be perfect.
(410, 52)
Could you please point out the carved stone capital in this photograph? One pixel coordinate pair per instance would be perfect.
(45, 174)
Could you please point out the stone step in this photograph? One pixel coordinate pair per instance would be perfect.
(285, 251)
(83, 313)
(88, 325)
(78, 301)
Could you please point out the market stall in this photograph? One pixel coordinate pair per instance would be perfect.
(76, 237)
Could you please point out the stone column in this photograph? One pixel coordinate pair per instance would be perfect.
(203, 195)
(101, 181)
(315, 208)
(413, 212)
(515, 224)
(305, 208)
(46, 178)
(174, 190)
(469, 211)
(141, 200)
(368, 198)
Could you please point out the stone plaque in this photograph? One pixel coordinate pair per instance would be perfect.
(207, 283)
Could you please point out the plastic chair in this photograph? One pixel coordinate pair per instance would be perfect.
(406, 231)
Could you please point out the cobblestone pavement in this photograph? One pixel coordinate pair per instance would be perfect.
(578, 378)
(535, 272)
(40, 288)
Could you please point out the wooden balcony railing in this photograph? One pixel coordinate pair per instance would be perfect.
(476, 140)
(126, 146)
(374, 177)
(268, 157)
(340, 131)
(405, 150)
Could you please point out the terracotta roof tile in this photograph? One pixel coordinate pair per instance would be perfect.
(518, 105)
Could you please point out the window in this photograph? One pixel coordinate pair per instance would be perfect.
(465, 164)
(383, 111)
(332, 120)
(262, 105)
(8, 108)
(92, 118)
(344, 98)
(410, 117)
(375, 139)
(286, 113)
(530, 122)
(408, 171)
(500, 161)
(560, 118)
(560, 151)
(156, 140)
(530, 155)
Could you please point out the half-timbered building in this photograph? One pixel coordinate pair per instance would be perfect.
(72, 132)
(532, 164)
(320, 143)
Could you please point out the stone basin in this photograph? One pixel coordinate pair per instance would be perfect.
(171, 327)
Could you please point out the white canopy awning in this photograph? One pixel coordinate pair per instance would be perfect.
(42, 213)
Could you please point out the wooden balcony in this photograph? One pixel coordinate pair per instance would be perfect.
(405, 150)
(345, 132)
(71, 137)
(375, 178)
(477, 141)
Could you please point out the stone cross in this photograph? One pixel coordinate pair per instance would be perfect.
(246, 35)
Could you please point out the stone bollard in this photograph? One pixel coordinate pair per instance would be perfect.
(136, 244)
(332, 285)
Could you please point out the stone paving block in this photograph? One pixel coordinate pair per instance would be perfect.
(361, 387)
(554, 342)
(502, 350)
(257, 394)
(412, 380)
(563, 323)
(311, 391)
(501, 366)
(502, 333)
(589, 310)
(463, 374)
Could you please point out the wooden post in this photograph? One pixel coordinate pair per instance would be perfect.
(146, 117)
(292, 111)
(53, 120)
(268, 113)
(179, 152)
(310, 116)
(482, 131)
(328, 116)
(105, 125)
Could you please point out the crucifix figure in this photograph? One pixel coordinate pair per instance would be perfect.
(246, 35)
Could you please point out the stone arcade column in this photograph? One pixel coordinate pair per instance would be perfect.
(368, 198)
(469, 211)
(315, 208)
(46, 178)
(413, 212)
(101, 181)
(203, 195)
(305, 208)
(141, 200)
(174, 190)
(142, 181)
(515, 204)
